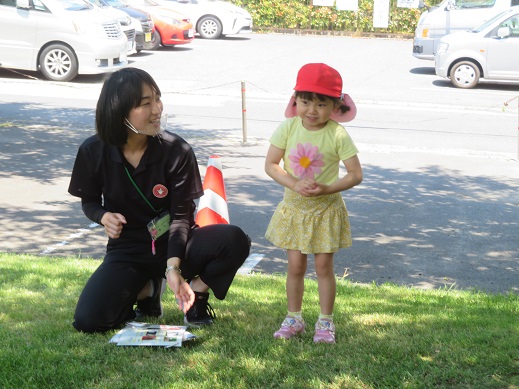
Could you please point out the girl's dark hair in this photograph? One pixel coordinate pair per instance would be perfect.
(312, 95)
(121, 92)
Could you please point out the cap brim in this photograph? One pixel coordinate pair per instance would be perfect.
(336, 115)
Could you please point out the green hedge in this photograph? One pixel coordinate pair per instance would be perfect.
(301, 15)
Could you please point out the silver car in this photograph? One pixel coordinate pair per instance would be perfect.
(490, 51)
(213, 19)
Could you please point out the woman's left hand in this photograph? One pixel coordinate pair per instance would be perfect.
(183, 293)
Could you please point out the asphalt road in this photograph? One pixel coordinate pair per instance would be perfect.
(438, 206)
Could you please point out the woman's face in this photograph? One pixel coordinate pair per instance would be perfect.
(145, 118)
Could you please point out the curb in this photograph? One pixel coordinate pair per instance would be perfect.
(353, 34)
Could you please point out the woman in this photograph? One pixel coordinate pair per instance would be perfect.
(140, 183)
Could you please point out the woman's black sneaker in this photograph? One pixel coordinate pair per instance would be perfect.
(201, 313)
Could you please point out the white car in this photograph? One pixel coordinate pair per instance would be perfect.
(60, 38)
(213, 18)
(490, 51)
(128, 25)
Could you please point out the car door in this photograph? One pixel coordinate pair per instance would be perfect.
(18, 31)
(503, 53)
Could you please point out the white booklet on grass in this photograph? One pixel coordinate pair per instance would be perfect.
(144, 334)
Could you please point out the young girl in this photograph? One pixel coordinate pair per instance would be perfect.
(312, 217)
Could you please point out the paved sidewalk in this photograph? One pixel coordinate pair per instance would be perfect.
(426, 218)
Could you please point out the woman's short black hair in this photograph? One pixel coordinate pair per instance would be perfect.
(312, 95)
(121, 92)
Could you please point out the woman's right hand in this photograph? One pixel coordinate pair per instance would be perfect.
(183, 293)
(113, 223)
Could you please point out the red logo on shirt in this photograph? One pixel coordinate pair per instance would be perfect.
(160, 191)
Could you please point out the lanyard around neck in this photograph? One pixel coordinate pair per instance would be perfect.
(138, 190)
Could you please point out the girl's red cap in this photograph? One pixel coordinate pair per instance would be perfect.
(325, 80)
(319, 78)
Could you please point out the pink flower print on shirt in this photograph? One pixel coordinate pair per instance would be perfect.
(305, 160)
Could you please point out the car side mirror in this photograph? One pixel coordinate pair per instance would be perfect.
(23, 4)
(503, 32)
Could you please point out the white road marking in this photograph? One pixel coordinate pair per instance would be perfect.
(247, 267)
(78, 234)
(249, 264)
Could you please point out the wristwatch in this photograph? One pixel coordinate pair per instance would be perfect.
(169, 268)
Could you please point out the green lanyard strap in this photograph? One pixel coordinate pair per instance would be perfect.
(138, 190)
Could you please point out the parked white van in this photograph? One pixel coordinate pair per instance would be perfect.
(60, 38)
(490, 51)
(451, 16)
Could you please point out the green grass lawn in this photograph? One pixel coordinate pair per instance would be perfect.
(387, 337)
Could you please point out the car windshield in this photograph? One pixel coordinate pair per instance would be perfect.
(116, 3)
(473, 4)
(490, 21)
(74, 5)
(143, 3)
(99, 3)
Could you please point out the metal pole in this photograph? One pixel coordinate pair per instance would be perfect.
(243, 112)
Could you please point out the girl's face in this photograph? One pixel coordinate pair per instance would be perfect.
(145, 118)
(315, 113)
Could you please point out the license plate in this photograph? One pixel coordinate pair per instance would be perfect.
(147, 37)
(191, 33)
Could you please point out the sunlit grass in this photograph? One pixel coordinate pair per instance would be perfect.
(387, 337)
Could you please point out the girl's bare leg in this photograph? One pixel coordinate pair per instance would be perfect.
(326, 282)
(295, 279)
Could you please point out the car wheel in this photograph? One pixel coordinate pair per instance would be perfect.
(156, 41)
(465, 74)
(58, 63)
(209, 28)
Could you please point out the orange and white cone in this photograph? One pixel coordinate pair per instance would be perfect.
(212, 207)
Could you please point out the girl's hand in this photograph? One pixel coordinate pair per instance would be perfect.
(305, 186)
(318, 190)
(183, 293)
(113, 224)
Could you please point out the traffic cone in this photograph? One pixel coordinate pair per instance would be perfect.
(212, 207)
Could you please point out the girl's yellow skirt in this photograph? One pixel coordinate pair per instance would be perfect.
(311, 225)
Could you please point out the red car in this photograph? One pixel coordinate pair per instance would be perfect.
(171, 27)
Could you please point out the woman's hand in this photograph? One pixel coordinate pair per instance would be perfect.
(183, 292)
(113, 223)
